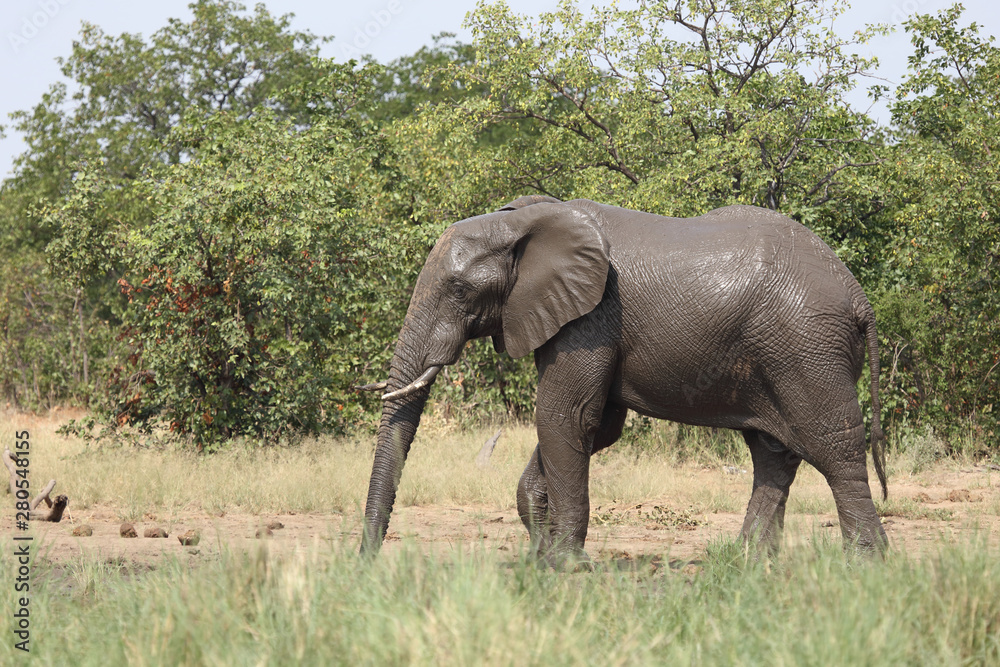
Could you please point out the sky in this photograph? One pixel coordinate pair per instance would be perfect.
(33, 33)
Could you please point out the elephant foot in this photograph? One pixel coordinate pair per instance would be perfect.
(761, 540)
(568, 560)
(563, 552)
(859, 521)
(560, 553)
(870, 544)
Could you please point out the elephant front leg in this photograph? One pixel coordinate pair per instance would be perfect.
(575, 370)
(532, 495)
(533, 504)
(565, 459)
(565, 442)
(561, 539)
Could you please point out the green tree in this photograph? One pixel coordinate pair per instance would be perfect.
(672, 107)
(130, 92)
(680, 106)
(941, 305)
(249, 290)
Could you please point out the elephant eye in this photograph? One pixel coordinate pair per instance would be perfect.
(459, 290)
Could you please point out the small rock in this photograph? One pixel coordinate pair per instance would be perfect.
(733, 470)
(274, 524)
(190, 538)
(155, 532)
(194, 552)
(959, 496)
(264, 531)
(828, 524)
(127, 530)
(84, 530)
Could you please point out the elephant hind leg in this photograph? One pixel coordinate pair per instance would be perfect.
(774, 468)
(532, 494)
(844, 464)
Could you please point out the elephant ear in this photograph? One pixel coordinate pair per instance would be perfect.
(561, 267)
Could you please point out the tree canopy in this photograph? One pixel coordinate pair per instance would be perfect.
(228, 246)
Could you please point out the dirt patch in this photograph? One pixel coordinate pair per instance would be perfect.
(922, 510)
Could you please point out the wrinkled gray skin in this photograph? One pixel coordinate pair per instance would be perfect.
(740, 319)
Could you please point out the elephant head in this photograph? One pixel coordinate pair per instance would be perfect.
(518, 275)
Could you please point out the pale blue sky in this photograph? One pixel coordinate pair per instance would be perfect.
(34, 32)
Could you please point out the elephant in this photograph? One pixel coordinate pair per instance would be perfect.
(740, 318)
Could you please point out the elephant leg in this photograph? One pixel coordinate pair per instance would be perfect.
(532, 496)
(574, 377)
(859, 522)
(774, 468)
(840, 455)
(612, 424)
(533, 503)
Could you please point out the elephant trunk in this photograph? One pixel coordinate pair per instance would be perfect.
(401, 411)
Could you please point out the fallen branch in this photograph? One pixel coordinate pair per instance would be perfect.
(44, 495)
(55, 514)
(56, 507)
(483, 457)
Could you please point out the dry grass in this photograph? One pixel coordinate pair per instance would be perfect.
(324, 474)
(433, 599)
(331, 474)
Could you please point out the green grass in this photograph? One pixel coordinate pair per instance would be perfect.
(811, 606)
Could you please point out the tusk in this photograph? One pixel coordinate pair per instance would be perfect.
(425, 379)
(374, 386)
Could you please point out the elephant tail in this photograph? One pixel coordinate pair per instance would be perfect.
(877, 436)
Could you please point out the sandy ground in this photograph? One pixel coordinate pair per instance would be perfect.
(944, 503)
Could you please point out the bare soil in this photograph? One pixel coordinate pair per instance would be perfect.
(944, 503)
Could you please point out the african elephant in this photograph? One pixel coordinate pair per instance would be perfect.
(740, 318)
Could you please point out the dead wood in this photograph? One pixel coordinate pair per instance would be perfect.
(56, 507)
(44, 495)
(374, 386)
(55, 514)
(483, 457)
